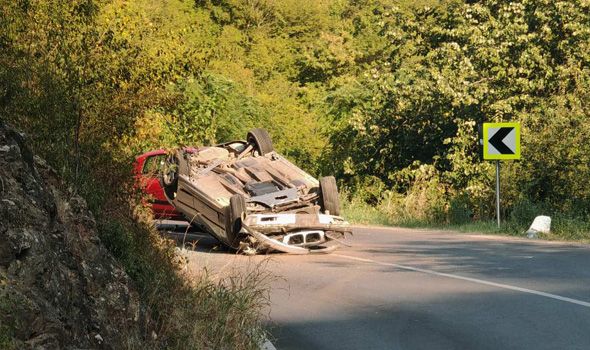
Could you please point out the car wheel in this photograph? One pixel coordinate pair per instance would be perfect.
(169, 177)
(233, 218)
(261, 140)
(329, 199)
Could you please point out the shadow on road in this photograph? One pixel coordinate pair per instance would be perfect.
(496, 259)
(494, 320)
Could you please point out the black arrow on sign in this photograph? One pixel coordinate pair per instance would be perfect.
(497, 140)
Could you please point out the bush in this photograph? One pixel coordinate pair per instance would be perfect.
(525, 211)
(460, 209)
(356, 210)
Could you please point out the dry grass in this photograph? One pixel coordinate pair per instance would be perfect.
(182, 311)
(226, 313)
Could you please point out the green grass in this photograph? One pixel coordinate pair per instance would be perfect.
(564, 228)
(358, 212)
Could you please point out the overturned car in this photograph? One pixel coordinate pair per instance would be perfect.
(252, 199)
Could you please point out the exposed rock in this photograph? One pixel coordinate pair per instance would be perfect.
(59, 286)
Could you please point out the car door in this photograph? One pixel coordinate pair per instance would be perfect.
(151, 185)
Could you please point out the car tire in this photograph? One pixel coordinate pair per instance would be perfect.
(329, 200)
(233, 218)
(261, 140)
(169, 177)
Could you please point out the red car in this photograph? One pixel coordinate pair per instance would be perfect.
(146, 170)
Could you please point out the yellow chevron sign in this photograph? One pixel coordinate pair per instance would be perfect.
(501, 141)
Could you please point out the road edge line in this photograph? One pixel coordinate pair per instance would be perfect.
(267, 345)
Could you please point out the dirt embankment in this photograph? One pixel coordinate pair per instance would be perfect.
(59, 286)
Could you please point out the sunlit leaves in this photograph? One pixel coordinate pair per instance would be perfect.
(448, 67)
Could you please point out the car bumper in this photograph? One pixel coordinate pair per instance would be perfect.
(295, 233)
(288, 222)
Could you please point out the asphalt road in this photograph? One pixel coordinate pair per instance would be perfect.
(415, 289)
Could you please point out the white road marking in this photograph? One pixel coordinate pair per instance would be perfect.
(267, 345)
(469, 279)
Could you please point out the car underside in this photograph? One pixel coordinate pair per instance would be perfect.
(252, 199)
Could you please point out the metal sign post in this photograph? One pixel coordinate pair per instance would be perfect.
(501, 141)
(498, 191)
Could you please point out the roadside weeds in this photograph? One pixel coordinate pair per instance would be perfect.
(563, 228)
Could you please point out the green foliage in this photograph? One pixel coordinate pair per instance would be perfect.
(570, 228)
(426, 200)
(212, 109)
(356, 210)
(371, 91)
(448, 68)
(79, 77)
(460, 209)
